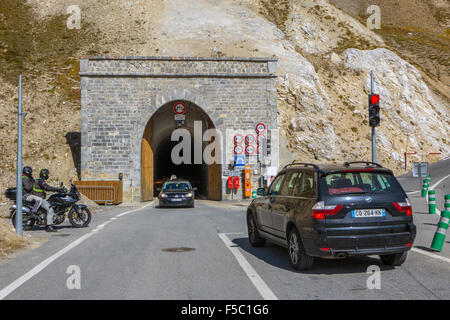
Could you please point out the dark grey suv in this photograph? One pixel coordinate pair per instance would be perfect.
(333, 211)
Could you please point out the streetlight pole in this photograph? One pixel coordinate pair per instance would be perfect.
(19, 165)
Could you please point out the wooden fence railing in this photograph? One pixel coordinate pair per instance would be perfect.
(101, 192)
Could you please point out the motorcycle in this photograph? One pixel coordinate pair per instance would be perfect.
(79, 214)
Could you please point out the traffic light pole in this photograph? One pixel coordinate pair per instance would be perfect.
(374, 140)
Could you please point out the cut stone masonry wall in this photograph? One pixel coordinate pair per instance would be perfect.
(120, 95)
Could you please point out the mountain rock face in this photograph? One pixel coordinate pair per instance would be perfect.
(324, 61)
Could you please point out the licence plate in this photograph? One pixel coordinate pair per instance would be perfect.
(364, 213)
(176, 199)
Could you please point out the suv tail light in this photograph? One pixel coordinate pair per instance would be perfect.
(320, 210)
(404, 207)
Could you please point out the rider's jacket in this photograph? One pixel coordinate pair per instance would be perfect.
(27, 185)
(40, 187)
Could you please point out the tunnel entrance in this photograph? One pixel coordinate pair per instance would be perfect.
(156, 161)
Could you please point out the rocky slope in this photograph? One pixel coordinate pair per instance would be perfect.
(325, 57)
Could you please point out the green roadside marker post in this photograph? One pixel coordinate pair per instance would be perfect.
(432, 202)
(253, 194)
(426, 184)
(439, 236)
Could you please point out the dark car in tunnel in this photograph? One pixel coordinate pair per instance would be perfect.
(177, 193)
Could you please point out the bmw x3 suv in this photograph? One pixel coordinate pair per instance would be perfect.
(333, 211)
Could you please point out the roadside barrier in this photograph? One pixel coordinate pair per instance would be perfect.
(432, 202)
(439, 236)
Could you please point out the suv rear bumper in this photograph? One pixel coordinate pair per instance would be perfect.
(374, 241)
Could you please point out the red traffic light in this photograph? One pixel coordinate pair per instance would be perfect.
(375, 98)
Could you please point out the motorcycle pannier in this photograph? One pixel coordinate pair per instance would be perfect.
(10, 193)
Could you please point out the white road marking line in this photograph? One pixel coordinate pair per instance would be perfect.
(434, 185)
(257, 281)
(41, 266)
(100, 227)
(431, 255)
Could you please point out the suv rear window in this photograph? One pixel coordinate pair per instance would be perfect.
(340, 183)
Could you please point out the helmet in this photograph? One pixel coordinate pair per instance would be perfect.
(44, 173)
(27, 171)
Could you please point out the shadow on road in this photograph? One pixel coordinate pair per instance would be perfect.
(278, 257)
(430, 224)
(425, 249)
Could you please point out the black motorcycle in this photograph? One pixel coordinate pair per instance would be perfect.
(79, 214)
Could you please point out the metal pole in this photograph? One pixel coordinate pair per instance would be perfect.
(19, 165)
(374, 140)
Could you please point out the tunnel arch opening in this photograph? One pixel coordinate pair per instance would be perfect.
(157, 165)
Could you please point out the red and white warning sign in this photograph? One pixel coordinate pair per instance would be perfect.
(260, 127)
(238, 149)
(179, 108)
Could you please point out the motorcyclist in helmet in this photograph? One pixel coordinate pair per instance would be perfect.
(40, 187)
(27, 187)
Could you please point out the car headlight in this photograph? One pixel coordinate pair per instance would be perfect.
(163, 195)
(190, 194)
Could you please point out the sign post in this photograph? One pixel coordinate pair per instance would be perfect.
(19, 165)
(374, 139)
(262, 146)
(420, 170)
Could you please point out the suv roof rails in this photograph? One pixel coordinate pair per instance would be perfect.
(302, 164)
(368, 163)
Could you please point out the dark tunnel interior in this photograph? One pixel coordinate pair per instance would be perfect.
(164, 168)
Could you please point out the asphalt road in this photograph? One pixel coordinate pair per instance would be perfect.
(203, 253)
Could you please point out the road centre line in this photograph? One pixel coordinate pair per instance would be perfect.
(257, 281)
(41, 266)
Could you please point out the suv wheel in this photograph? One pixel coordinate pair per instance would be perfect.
(253, 234)
(395, 259)
(297, 255)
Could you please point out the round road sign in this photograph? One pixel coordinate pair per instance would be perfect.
(238, 149)
(249, 139)
(260, 138)
(179, 108)
(238, 139)
(249, 149)
(260, 127)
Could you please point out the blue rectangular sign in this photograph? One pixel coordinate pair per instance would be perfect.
(239, 161)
